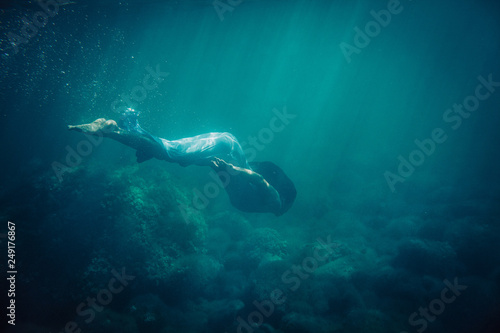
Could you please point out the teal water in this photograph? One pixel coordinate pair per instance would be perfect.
(368, 125)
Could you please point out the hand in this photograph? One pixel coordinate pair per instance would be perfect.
(218, 163)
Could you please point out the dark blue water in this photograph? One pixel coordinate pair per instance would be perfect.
(385, 115)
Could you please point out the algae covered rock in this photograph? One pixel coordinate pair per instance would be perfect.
(264, 244)
(148, 222)
(192, 274)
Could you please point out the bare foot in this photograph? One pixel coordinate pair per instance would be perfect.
(98, 125)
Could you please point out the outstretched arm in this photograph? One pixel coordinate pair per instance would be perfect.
(247, 189)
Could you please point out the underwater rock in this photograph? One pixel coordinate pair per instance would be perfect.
(426, 257)
(300, 306)
(471, 239)
(95, 274)
(329, 291)
(110, 321)
(369, 320)
(230, 284)
(405, 226)
(394, 286)
(294, 322)
(192, 274)
(149, 312)
(129, 215)
(341, 268)
(221, 313)
(147, 220)
(268, 278)
(264, 244)
(218, 242)
(232, 223)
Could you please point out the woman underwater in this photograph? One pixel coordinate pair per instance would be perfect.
(252, 187)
